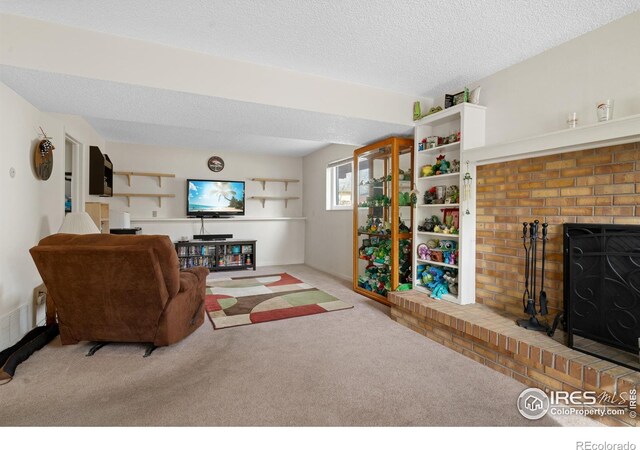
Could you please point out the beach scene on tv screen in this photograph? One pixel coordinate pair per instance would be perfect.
(216, 196)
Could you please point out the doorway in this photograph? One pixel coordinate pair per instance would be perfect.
(73, 196)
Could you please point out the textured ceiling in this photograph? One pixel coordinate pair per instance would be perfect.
(417, 47)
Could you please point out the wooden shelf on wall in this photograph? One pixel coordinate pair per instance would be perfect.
(286, 181)
(159, 176)
(286, 199)
(158, 196)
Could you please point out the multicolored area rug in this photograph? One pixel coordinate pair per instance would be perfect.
(238, 301)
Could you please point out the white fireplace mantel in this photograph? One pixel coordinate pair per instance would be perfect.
(602, 134)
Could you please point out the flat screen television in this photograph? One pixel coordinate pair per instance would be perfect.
(215, 198)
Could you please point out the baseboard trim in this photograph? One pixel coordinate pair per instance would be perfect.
(330, 272)
(15, 324)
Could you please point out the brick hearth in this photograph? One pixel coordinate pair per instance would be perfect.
(493, 339)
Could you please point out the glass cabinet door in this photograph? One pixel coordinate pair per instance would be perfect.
(383, 217)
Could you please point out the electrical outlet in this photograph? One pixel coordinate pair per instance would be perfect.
(154, 213)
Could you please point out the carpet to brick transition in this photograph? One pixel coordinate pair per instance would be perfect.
(247, 300)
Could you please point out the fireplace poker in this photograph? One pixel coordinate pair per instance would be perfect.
(526, 294)
(543, 294)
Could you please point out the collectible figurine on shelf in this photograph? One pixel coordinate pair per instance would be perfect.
(414, 196)
(402, 228)
(429, 224)
(430, 196)
(433, 243)
(452, 195)
(443, 165)
(455, 166)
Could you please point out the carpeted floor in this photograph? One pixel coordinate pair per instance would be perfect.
(351, 367)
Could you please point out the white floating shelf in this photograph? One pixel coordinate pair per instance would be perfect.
(600, 134)
(159, 176)
(286, 182)
(286, 199)
(158, 196)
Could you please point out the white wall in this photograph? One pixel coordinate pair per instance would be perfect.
(279, 230)
(535, 96)
(329, 243)
(31, 208)
(527, 99)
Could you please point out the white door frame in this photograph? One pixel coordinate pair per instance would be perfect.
(77, 173)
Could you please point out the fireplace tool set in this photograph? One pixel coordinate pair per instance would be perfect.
(530, 237)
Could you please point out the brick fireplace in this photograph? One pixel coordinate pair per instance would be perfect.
(589, 186)
(586, 175)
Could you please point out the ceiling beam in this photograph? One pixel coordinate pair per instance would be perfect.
(34, 44)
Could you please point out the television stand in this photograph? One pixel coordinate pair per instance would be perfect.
(217, 255)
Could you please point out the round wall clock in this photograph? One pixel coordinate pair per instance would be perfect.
(215, 163)
(43, 159)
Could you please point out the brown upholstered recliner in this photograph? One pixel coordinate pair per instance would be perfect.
(119, 288)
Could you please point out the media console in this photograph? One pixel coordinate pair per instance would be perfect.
(217, 255)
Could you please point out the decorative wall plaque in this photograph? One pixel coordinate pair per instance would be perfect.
(43, 158)
(215, 163)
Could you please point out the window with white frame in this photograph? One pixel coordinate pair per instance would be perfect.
(340, 184)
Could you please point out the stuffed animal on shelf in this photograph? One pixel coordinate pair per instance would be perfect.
(448, 245)
(444, 167)
(441, 166)
(449, 257)
(427, 170)
(452, 282)
(427, 277)
(438, 286)
(424, 252)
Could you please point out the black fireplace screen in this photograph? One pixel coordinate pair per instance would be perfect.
(602, 291)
